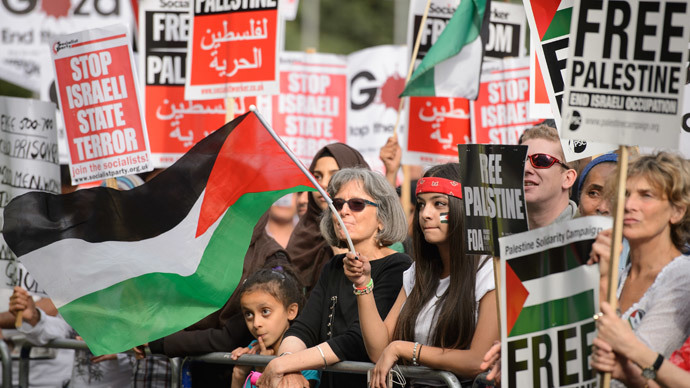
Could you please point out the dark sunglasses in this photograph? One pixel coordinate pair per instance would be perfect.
(544, 161)
(355, 204)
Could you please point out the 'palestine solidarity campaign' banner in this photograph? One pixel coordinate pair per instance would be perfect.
(548, 297)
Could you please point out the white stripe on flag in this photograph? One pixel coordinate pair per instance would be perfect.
(457, 76)
(566, 4)
(90, 267)
(561, 285)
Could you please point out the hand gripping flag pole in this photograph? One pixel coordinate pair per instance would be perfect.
(307, 173)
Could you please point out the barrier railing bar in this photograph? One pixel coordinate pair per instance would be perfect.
(175, 371)
(76, 345)
(6, 365)
(344, 366)
(420, 372)
(24, 354)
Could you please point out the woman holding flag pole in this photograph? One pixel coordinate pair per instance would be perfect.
(654, 288)
(445, 313)
(366, 212)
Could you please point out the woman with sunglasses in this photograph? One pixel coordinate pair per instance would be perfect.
(328, 330)
(308, 250)
(547, 178)
(445, 313)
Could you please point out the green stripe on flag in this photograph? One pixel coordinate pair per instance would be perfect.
(560, 25)
(554, 313)
(209, 287)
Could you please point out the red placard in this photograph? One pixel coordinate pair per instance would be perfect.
(501, 112)
(437, 125)
(311, 109)
(232, 50)
(100, 105)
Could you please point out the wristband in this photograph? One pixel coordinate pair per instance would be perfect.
(364, 290)
(414, 354)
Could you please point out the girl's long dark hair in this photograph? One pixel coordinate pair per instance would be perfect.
(455, 314)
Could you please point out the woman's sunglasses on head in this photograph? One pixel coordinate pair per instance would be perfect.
(355, 204)
(544, 161)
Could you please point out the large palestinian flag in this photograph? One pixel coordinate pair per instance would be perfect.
(548, 301)
(128, 267)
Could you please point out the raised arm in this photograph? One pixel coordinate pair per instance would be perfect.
(376, 332)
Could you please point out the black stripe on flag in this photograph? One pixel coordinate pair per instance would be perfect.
(37, 219)
(552, 261)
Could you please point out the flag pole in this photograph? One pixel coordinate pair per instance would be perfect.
(617, 241)
(405, 185)
(415, 50)
(306, 172)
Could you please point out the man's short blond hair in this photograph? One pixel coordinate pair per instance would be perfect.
(543, 132)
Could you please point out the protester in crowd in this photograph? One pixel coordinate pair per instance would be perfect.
(615, 335)
(271, 299)
(445, 313)
(302, 202)
(225, 329)
(48, 368)
(328, 330)
(596, 174)
(282, 218)
(308, 250)
(40, 328)
(654, 287)
(548, 178)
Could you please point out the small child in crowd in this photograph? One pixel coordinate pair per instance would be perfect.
(271, 299)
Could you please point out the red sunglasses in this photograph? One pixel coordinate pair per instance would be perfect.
(544, 161)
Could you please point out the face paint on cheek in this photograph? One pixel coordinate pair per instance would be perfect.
(444, 218)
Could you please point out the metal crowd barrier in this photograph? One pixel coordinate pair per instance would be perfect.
(63, 344)
(344, 366)
(419, 372)
(6, 365)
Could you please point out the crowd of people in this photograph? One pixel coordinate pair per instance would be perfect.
(409, 294)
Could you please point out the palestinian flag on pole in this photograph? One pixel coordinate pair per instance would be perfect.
(128, 267)
(453, 64)
(548, 298)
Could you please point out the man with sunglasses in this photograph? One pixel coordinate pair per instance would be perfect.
(547, 178)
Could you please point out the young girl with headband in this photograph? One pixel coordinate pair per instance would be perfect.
(445, 314)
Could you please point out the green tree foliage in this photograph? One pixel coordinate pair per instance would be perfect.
(346, 25)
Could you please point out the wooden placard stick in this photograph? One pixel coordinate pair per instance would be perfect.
(622, 176)
(405, 196)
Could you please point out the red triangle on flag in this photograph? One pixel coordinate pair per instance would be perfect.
(544, 11)
(516, 295)
(250, 161)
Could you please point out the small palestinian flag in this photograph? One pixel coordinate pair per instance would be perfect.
(452, 66)
(444, 218)
(128, 267)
